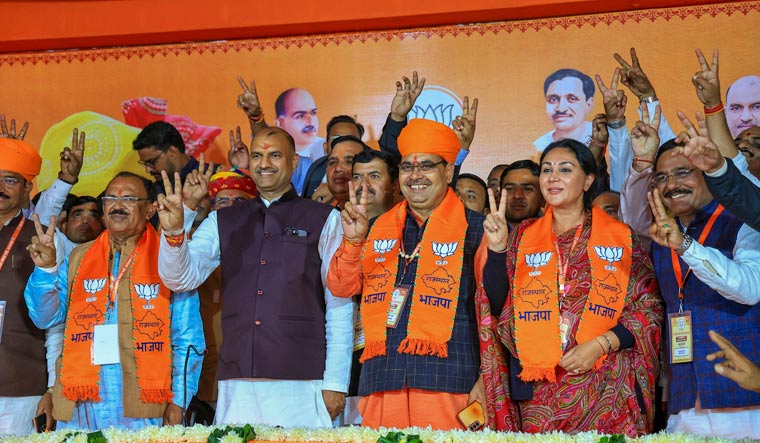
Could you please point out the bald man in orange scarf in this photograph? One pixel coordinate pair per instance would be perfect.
(416, 268)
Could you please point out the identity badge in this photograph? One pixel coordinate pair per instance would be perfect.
(398, 300)
(105, 345)
(565, 328)
(2, 318)
(681, 338)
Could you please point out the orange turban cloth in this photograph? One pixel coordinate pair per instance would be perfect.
(422, 136)
(235, 178)
(19, 157)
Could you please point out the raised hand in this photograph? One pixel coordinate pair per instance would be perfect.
(706, 80)
(664, 230)
(5, 133)
(42, 248)
(248, 101)
(614, 98)
(72, 158)
(700, 149)
(599, 136)
(495, 225)
(170, 211)
(464, 125)
(195, 187)
(406, 95)
(238, 153)
(633, 77)
(322, 194)
(354, 215)
(736, 366)
(645, 139)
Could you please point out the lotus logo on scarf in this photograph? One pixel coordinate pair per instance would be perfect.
(147, 292)
(383, 246)
(537, 260)
(611, 254)
(444, 250)
(93, 286)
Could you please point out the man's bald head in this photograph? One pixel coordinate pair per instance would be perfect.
(280, 134)
(743, 104)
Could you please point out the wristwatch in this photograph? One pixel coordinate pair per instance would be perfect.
(687, 241)
(617, 124)
(650, 99)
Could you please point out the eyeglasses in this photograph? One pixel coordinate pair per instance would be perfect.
(424, 167)
(678, 175)
(10, 181)
(128, 200)
(225, 201)
(152, 162)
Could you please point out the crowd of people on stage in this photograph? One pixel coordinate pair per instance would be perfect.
(610, 283)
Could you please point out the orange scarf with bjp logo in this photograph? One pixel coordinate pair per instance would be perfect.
(435, 293)
(89, 296)
(535, 291)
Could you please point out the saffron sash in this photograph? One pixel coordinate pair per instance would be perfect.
(91, 291)
(535, 291)
(436, 285)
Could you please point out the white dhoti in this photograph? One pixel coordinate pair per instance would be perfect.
(286, 403)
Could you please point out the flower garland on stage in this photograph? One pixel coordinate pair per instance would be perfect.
(244, 434)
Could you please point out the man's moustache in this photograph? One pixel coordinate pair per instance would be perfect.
(308, 128)
(4, 195)
(118, 212)
(668, 194)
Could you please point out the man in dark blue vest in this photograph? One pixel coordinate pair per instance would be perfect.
(286, 355)
(708, 265)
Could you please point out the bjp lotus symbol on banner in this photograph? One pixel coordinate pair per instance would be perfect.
(93, 286)
(444, 250)
(611, 254)
(147, 292)
(383, 246)
(537, 260)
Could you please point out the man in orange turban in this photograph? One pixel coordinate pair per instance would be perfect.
(416, 271)
(22, 345)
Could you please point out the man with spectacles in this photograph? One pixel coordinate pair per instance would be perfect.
(707, 263)
(23, 371)
(161, 148)
(416, 271)
(111, 374)
(286, 355)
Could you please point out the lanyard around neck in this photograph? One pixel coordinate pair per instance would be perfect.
(11, 242)
(677, 270)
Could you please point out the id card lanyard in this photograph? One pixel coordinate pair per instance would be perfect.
(11, 242)
(677, 270)
(562, 263)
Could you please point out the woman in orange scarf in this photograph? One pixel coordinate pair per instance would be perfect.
(569, 313)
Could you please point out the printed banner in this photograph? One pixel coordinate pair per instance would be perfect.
(111, 93)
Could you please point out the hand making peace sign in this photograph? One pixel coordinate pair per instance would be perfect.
(464, 125)
(248, 101)
(495, 225)
(614, 98)
(238, 153)
(634, 78)
(42, 248)
(354, 215)
(706, 80)
(170, 211)
(72, 158)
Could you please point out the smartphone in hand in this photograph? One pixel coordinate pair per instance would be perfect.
(472, 417)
